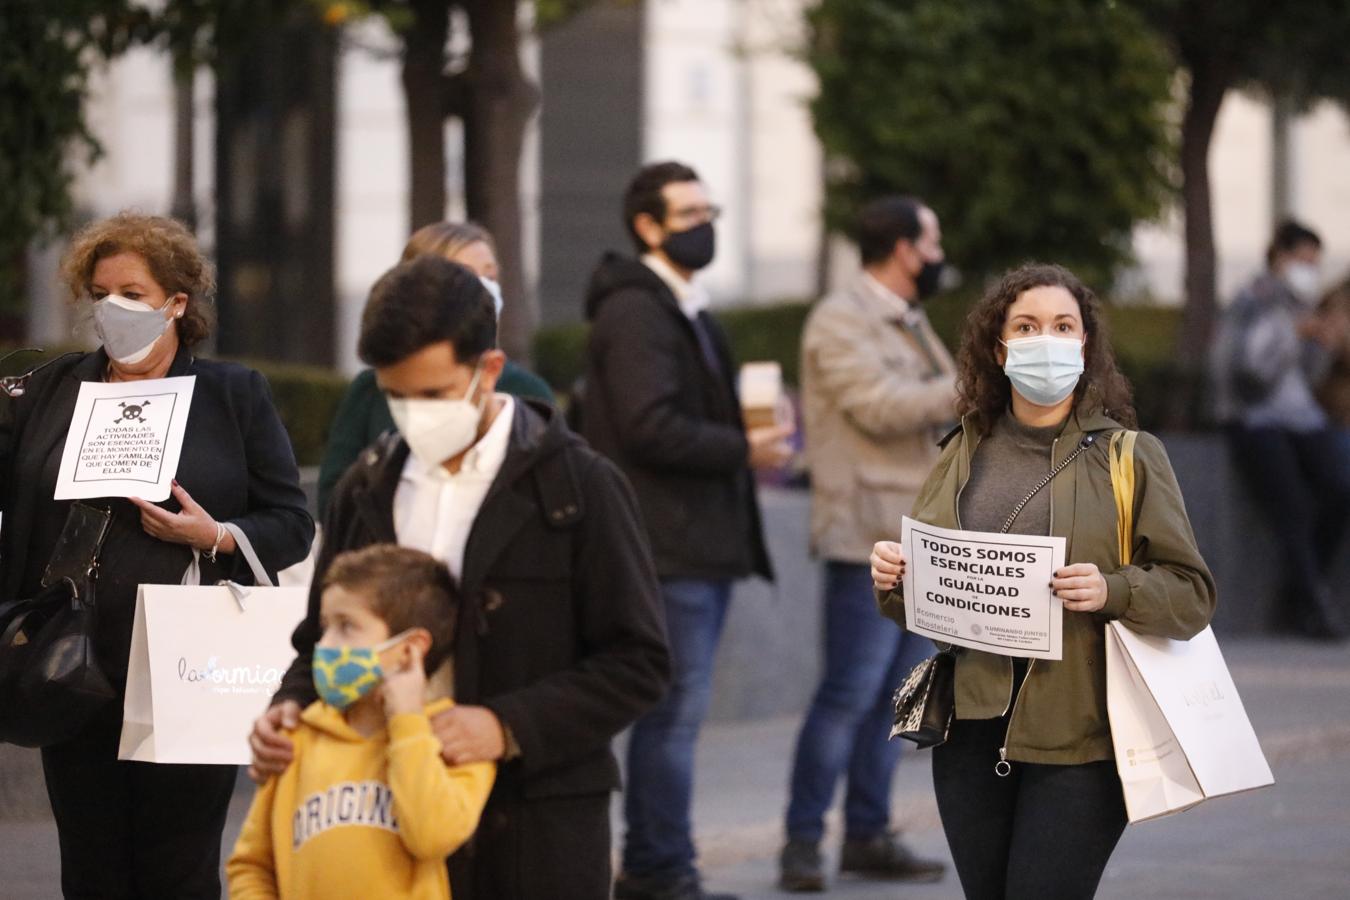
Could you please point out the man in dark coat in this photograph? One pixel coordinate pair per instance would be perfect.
(661, 402)
(560, 643)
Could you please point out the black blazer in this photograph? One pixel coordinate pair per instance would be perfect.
(560, 633)
(669, 416)
(236, 462)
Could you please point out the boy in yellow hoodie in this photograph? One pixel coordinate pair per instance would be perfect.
(368, 808)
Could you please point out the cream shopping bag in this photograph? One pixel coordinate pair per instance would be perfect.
(1180, 732)
(1178, 727)
(205, 662)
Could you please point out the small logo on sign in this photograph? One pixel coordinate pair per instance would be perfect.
(976, 630)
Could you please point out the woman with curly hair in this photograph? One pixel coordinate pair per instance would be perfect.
(132, 829)
(1026, 783)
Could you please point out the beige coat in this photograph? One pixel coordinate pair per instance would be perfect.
(874, 406)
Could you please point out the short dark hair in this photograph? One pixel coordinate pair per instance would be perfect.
(423, 302)
(884, 221)
(406, 588)
(644, 194)
(1290, 235)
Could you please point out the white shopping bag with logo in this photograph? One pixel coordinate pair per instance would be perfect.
(204, 664)
(1180, 732)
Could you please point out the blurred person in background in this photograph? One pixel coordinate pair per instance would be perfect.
(363, 414)
(1271, 353)
(661, 402)
(878, 391)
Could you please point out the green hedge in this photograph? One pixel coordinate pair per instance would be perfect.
(1144, 338)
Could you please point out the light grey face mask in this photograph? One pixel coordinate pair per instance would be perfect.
(128, 328)
(495, 289)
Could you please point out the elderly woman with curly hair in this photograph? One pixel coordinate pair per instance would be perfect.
(130, 829)
(1026, 784)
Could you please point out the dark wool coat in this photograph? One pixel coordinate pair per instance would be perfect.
(561, 635)
(670, 418)
(236, 462)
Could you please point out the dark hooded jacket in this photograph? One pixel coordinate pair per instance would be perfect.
(560, 634)
(661, 402)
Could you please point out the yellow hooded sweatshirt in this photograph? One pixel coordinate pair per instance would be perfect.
(359, 817)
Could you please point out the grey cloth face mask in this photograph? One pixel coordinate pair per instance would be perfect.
(128, 328)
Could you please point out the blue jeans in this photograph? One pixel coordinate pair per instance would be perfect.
(846, 728)
(661, 747)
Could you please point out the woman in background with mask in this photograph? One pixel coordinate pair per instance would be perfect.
(1026, 782)
(131, 829)
(363, 414)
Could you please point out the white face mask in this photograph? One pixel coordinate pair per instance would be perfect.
(437, 430)
(1304, 280)
(1044, 369)
(128, 329)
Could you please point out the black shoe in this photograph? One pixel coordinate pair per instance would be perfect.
(800, 870)
(886, 856)
(664, 887)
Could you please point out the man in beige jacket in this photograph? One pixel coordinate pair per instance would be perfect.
(878, 390)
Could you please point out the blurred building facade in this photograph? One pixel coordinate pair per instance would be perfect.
(714, 83)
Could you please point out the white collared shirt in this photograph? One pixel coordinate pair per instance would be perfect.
(692, 296)
(434, 510)
(904, 310)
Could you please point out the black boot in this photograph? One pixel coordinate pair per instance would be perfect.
(662, 886)
(800, 870)
(886, 856)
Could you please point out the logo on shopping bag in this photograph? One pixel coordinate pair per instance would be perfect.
(227, 679)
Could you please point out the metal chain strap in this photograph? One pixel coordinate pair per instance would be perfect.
(1082, 445)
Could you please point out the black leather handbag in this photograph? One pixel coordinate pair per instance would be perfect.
(926, 701)
(50, 681)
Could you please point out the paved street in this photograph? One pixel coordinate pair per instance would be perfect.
(1289, 841)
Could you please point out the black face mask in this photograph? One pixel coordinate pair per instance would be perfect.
(926, 282)
(693, 248)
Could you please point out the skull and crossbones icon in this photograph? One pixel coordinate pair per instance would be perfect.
(131, 412)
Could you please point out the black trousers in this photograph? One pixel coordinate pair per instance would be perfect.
(1040, 833)
(1301, 482)
(134, 830)
(546, 848)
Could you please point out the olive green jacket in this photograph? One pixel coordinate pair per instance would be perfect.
(1059, 716)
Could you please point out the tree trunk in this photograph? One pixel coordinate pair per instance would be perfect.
(501, 102)
(184, 207)
(423, 88)
(1207, 89)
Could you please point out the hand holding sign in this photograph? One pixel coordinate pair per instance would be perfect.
(888, 565)
(1081, 586)
(193, 526)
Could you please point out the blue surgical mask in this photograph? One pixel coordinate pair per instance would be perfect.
(343, 675)
(1044, 369)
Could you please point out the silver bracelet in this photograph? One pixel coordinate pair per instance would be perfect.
(220, 536)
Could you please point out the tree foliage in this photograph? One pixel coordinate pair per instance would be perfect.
(1035, 129)
(46, 51)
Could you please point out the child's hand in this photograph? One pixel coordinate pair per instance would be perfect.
(405, 690)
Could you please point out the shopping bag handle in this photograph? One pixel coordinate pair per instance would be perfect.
(193, 575)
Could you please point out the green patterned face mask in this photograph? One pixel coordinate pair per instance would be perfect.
(343, 675)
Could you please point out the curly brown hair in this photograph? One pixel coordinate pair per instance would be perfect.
(984, 392)
(169, 250)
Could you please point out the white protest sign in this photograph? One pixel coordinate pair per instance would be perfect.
(983, 590)
(125, 439)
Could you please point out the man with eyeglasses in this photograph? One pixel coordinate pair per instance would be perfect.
(661, 401)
